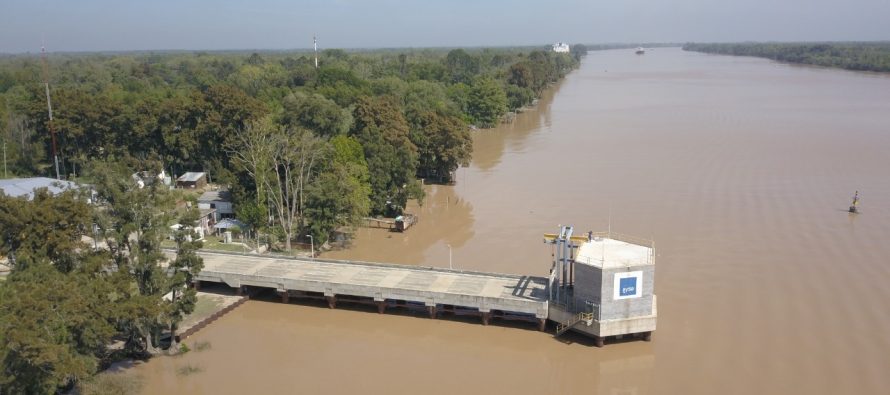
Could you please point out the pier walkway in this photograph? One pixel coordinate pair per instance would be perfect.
(438, 290)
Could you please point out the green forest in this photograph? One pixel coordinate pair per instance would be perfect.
(865, 56)
(305, 150)
(271, 125)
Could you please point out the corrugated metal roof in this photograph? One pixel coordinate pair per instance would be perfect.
(191, 176)
(215, 196)
(18, 187)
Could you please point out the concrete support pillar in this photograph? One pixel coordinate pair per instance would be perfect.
(332, 301)
(485, 317)
(381, 307)
(197, 285)
(599, 341)
(432, 310)
(285, 297)
(647, 336)
(239, 291)
(542, 324)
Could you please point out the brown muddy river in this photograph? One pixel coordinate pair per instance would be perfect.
(740, 169)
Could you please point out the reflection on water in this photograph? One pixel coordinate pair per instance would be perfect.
(489, 145)
(740, 169)
(445, 219)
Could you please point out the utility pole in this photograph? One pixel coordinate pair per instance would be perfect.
(315, 44)
(311, 240)
(6, 135)
(49, 109)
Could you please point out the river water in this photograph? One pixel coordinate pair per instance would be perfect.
(740, 169)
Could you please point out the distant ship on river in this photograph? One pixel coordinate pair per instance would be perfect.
(641, 50)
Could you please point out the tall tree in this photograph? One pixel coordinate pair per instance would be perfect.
(46, 228)
(487, 102)
(183, 270)
(54, 328)
(443, 144)
(316, 113)
(58, 315)
(462, 67)
(283, 163)
(383, 133)
(340, 195)
(133, 223)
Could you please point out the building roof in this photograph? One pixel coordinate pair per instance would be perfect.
(191, 176)
(606, 253)
(227, 223)
(216, 196)
(18, 187)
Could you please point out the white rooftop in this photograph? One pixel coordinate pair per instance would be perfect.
(606, 253)
(19, 187)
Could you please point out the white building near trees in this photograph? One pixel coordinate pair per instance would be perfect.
(221, 201)
(561, 48)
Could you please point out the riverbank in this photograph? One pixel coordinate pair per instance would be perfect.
(209, 307)
(864, 56)
(214, 302)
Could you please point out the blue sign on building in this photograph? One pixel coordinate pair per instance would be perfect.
(627, 286)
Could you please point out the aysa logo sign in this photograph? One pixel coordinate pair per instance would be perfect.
(628, 285)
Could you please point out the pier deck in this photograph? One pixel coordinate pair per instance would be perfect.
(382, 282)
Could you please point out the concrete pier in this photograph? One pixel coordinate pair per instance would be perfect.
(511, 296)
(602, 287)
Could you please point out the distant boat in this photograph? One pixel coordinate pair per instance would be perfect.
(640, 51)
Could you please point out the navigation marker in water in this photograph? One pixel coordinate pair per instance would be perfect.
(854, 206)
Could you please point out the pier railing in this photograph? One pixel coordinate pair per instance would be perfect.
(587, 318)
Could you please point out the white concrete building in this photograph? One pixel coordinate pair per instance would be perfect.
(561, 48)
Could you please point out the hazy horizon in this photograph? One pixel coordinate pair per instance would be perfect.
(196, 25)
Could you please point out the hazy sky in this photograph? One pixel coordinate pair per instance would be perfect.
(90, 25)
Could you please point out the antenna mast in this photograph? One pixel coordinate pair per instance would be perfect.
(315, 44)
(49, 109)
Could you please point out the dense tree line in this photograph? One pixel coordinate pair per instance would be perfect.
(315, 149)
(65, 303)
(867, 56)
(409, 113)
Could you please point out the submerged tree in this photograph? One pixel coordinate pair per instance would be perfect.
(487, 102)
(443, 143)
(383, 132)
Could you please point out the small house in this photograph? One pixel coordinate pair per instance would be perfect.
(192, 179)
(221, 201)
